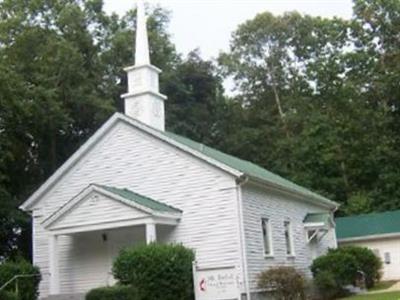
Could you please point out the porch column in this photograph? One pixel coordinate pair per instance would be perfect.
(151, 235)
(53, 265)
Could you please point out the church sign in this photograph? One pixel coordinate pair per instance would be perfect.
(216, 283)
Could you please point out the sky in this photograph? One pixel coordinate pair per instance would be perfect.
(208, 24)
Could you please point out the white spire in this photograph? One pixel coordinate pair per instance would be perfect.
(142, 56)
(143, 100)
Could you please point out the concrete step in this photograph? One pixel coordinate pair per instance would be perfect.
(65, 297)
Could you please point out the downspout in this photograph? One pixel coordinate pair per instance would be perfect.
(334, 228)
(240, 182)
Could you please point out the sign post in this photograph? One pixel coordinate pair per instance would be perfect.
(216, 283)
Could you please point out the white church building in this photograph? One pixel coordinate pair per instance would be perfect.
(133, 182)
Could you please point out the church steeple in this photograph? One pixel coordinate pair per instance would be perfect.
(142, 55)
(143, 100)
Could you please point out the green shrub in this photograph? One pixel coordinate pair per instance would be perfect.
(342, 266)
(7, 296)
(28, 288)
(285, 283)
(334, 270)
(157, 271)
(367, 262)
(118, 292)
(327, 285)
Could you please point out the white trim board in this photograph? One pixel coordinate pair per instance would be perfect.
(113, 225)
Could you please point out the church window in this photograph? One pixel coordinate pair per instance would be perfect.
(266, 232)
(288, 238)
(387, 258)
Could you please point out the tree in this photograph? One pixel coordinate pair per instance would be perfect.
(118, 51)
(377, 24)
(61, 77)
(314, 97)
(50, 95)
(195, 94)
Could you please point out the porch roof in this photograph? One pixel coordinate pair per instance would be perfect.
(99, 207)
(318, 219)
(140, 199)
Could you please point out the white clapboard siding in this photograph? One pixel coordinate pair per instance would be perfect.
(129, 158)
(40, 252)
(95, 209)
(259, 203)
(88, 263)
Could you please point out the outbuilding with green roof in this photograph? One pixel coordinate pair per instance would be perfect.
(377, 231)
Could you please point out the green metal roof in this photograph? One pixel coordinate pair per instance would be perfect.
(140, 199)
(318, 218)
(368, 224)
(246, 167)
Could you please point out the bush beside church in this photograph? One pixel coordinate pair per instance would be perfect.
(24, 288)
(345, 266)
(333, 273)
(154, 271)
(283, 283)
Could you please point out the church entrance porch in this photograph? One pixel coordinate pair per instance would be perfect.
(82, 261)
(86, 234)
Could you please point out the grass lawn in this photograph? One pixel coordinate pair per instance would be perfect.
(378, 296)
(383, 285)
